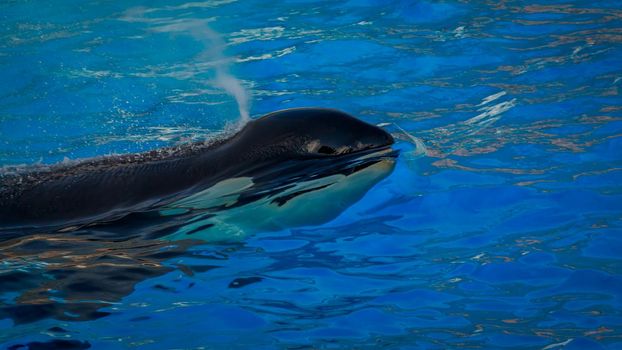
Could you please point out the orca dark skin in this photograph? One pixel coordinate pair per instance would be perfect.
(108, 188)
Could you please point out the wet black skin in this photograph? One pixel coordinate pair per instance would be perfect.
(107, 188)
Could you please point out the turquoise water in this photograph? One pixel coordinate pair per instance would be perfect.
(504, 234)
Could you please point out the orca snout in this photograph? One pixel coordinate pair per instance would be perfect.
(379, 138)
(314, 132)
(344, 134)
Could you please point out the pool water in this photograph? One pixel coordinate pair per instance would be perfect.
(500, 229)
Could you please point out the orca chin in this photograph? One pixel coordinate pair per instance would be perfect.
(265, 160)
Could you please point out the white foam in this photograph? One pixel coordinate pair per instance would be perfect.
(492, 97)
(491, 114)
(564, 343)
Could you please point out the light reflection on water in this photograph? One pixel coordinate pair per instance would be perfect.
(506, 234)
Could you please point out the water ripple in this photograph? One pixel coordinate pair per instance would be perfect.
(502, 233)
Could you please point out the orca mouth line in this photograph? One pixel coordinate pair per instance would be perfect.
(323, 166)
(366, 157)
(377, 152)
(330, 151)
(372, 154)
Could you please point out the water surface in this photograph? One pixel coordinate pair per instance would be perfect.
(505, 234)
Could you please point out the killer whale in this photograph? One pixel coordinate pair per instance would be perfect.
(97, 227)
(274, 152)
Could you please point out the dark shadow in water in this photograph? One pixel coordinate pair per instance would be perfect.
(73, 277)
(56, 344)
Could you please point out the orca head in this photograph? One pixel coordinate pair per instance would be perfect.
(291, 168)
(312, 133)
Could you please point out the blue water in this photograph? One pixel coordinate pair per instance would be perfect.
(506, 233)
